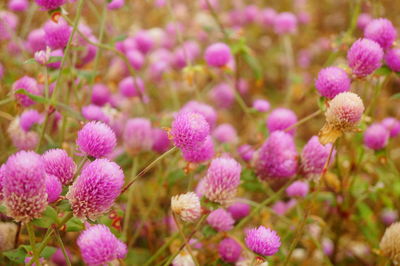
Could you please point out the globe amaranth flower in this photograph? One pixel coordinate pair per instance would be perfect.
(376, 136)
(261, 105)
(50, 4)
(18, 5)
(342, 115)
(392, 59)
(131, 87)
(268, 16)
(263, 241)
(245, 152)
(35, 41)
(222, 179)
(200, 153)
(389, 216)
(218, 55)
(382, 31)
(183, 259)
(138, 135)
(239, 210)
(314, 157)
(29, 118)
(363, 20)
(96, 139)
(93, 112)
(58, 257)
(220, 220)
(390, 243)
(186, 206)
(331, 81)
(99, 246)
(144, 42)
(135, 58)
(161, 142)
(229, 250)
(298, 189)
(57, 34)
(364, 57)
(281, 119)
(393, 125)
(277, 158)
(205, 110)
(225, 133)
(100, 94)
(281, 207)
(59, 164)
(53, 188)
(285, 23)
(8, 24)
(56, 58)
(95, 190)
(24, 186)
(222, 95)
(189, 129)
(28, 84)
(115, 4)
(2, 173)
(20, 138)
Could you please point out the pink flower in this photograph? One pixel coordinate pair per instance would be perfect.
(263, 241)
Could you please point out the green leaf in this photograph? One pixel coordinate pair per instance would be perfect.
(254, 65)
(33, 97)
(120, 38)
(54, 59)
(395, 96)
(250, 181)
(48, 252)
(30, 61)
(175, 176)
(208, 231)
(74, 225)
(3, 209)
(16, 255)
(49, 217)
(383, 71)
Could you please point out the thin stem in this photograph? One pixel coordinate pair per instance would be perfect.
(6, 100)
(32, 241)
(303, 120)
(130, 200)
(185, 240)
(217, 20)
(161, 249)
(145, 170)
(60, 242)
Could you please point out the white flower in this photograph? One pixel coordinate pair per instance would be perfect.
(186, 206)
(390, 243)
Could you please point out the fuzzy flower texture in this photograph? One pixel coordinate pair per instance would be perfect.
(263, 241)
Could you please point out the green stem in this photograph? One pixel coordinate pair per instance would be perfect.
(217, 20)
(185, 240)
(6, 100)
(130, 200)
(32, 241)
(60, 242)
(161, 249)
(303, 120)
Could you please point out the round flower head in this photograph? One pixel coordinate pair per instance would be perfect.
(18, 5)
(389, 216)
(100, 94)
(222, 95)
(2, 173)
(220, 220)
(390, 243)
(268, 16)
(186, 206)
(96, 139)
(204, 109)
(381, 30)
(314, 157)
(57, 34)
(28, 84)
(59, 164)
(58, 257)
(392, 59)
(239, 210)
(376, 137)
(343, 114)
(201, 152)
(277, 158)
(189, 129)
(229, 250)
(261, 105)
(222, 179)
(29, 118)
(298, 189)
(332, 81)
(53, 188)
(183, 258)
(364, 57)
(218, 55)
(99, 246)
(143, 41)
(95, 190)
(285, 23)
(24, 186)
(161, 141)
(263, 241)
(246, 152)
(393, 125)
(8, 24)
(363, 20)
(93, 112)
(115, 4)
(225, 133)
(138, 135)
(281, 119)
(50, 4)
(135, 58)
(131, 87)
(20, 138)
(36, 41)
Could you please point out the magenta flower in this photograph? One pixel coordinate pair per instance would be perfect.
(93, 112)
(189, 129)
(8, 24)
(220, 220)
(18, 5)
(393, 125)
(382, 31)
(29, 118)
(298, 189)
(314, 157)
(57, 34)
(268, 16)
(50, 4)
(364, 57)
(222, 179)
(281, 119)
(96, 139)
(201, 152)
(131, 87)
(36, 41)
(100, 94)
(239, 210)
(144, 42)
(115, 4)
(261, 105)
(135, 58)
(28, 84)
(99, 246)
(95, 190)
(389, 216)
(161, 142)
(277, 158)
(225, 133)
(20, 138)
(2, 174)
(59, 164)
(332, 81)
(246, 152)
(222, 95)
(218, 55)
(392, 59)
(285, 23)
(363, 20)
(24, 186)
(376, 136)
(53, 188)
(205, 110)
(138, 135)
(229, 250)
(263, 241)
(56, 58)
